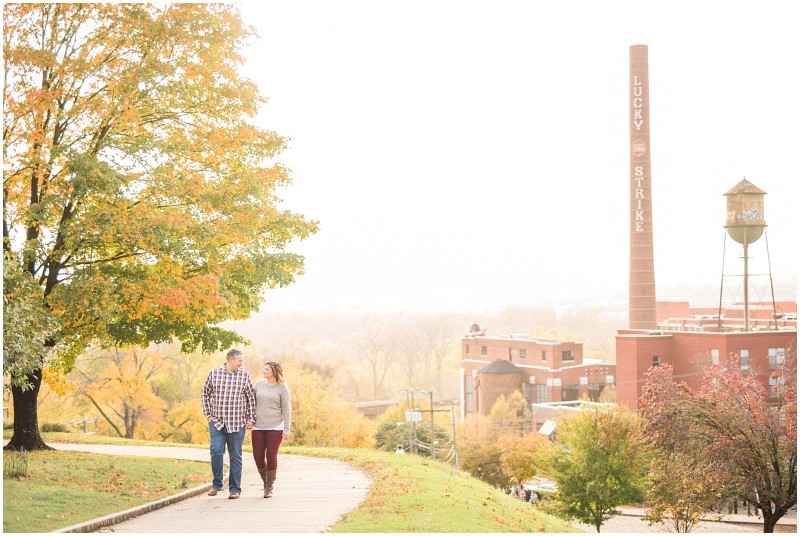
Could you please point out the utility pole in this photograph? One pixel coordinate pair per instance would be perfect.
(453, 423)
(433, 442)
(413, 425)
(412, 416)
(410, 420)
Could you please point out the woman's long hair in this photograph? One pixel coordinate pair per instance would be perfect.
(277, 370)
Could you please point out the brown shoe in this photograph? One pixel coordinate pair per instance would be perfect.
(233, 496)
(213, 492)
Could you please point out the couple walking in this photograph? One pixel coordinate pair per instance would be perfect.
(232, 405)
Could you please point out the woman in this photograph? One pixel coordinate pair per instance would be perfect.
(273, 422)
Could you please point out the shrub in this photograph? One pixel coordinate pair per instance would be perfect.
(55, 427)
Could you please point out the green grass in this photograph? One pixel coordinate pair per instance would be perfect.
(65, 488)
(413, 494)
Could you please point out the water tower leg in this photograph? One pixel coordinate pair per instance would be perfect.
(771, 285)
(722, 281)
(746, 286)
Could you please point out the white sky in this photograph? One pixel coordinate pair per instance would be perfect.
(468, 155)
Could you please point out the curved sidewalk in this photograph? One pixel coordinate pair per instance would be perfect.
(311, 495)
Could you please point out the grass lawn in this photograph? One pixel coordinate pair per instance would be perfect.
(64, 488)
(413, 494)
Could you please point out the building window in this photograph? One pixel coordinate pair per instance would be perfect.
(656, 360)
(715, 356)
(541, 393)
(567, 355)
(522, 354)
(467, 350)
(744, 359)
(510, 354)
(544, 355)
(594, 391)
(776, 357)
(775, 383)
(484, 351)
(569, 392)
(468, 394)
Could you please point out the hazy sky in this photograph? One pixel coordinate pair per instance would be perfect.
(469, 155)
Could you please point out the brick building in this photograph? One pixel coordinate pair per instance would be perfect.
(543, 370)
(705, 337)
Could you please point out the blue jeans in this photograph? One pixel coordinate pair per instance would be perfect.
(234, 440)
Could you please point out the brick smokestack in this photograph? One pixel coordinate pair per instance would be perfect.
(642, 285)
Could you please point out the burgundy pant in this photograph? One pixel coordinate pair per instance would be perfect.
(265, 448)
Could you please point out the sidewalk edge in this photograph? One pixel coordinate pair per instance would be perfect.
(112, 519)
(738, 520)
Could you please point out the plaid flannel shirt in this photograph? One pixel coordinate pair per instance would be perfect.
(228, 398)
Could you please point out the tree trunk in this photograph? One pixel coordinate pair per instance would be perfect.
(26, 416)
(772, 514)
(769, 521)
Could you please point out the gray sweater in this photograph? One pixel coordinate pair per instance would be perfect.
(273, 405)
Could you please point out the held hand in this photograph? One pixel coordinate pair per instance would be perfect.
(249, 426)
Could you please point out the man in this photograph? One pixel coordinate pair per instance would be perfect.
(229, 404)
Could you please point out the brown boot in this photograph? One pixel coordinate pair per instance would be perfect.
(262, 472)
(270, 481)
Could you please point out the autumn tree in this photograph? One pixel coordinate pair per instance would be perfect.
(608, 395)
(735, 425)
(320, 417)
(602, 465)
(139, 198)
(27, 328)
(483, 438)
(683, 485)
(483, 462)
(526, 456)
(511, 415)
(119, 385)
(475, 429)
(758, 440)
(183, 422)
(681, 489)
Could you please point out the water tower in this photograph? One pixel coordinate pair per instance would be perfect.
(745, 224)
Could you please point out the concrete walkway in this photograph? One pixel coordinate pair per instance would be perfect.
(311, 495)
